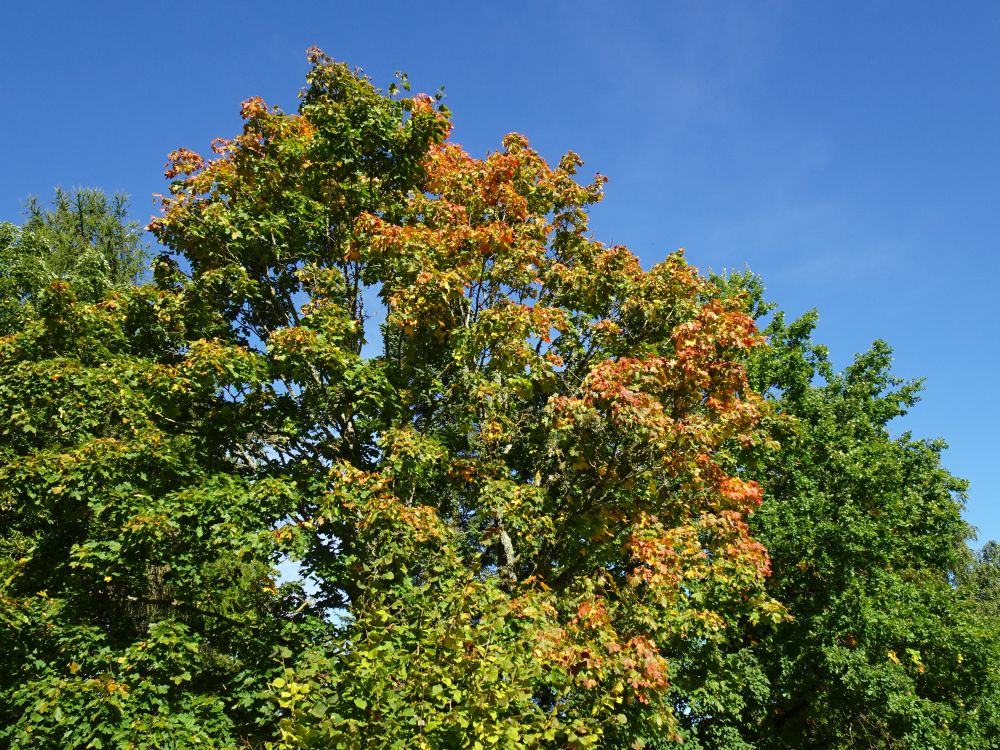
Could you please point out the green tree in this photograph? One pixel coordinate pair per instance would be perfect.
(137, 562)
(84, 238)
(979, 579)
(866, 537)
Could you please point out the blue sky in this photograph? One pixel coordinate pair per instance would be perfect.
(848, 152)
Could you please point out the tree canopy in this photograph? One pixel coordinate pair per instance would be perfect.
(867, 546)
(391, 452)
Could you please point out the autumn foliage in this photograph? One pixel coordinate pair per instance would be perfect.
(535, 467)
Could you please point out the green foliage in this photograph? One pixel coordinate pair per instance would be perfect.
(866, 538)
(85, 238)
(979, 579)
(137, 565)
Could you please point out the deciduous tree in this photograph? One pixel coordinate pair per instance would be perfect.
(521, 509)
(866, 536)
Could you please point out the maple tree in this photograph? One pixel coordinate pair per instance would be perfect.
(521, 506)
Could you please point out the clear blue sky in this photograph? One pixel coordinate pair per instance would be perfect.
(849, 152)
